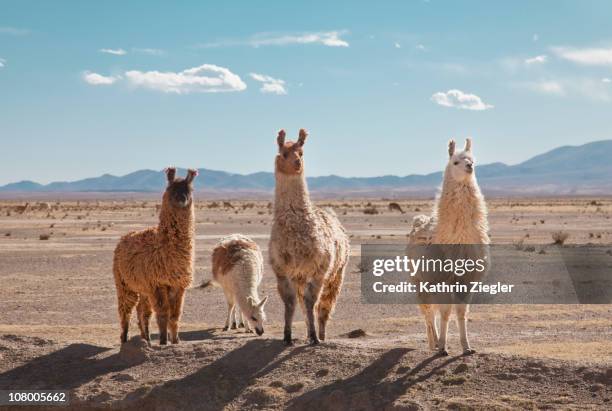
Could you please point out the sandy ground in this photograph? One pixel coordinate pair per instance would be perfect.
(58, 323)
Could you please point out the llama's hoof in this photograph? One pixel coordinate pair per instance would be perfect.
(176, 341)
(469, 351)
(225, 328)
(314, 341)
(288, 341)
(248, 331)
(234, 326)
(163, 343)
(443, 353)
(241, 325)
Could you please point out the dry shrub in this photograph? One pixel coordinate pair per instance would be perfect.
(370, 210)
(519, 245)
(559, 237)
(44, 236)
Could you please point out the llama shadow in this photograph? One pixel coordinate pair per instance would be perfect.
(219, 383)
(67, 368)
(196, 335)
(369, 390)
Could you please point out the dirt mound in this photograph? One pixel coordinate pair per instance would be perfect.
(253, 373)
(135, 351)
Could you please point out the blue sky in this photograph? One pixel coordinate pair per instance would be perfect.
(89, 88)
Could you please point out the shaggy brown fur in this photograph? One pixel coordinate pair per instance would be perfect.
(309, 248)
(153, 267)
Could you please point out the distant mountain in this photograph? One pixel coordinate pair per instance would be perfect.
(585, 169)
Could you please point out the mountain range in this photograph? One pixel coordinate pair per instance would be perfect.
(567, 170)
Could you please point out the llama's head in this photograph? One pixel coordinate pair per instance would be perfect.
(180, 190)
(255, 314)
(461, 163)
(289, 159)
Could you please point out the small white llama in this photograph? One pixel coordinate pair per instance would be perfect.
(237, 265)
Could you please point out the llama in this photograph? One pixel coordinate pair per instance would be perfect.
(237, 266)
(459, 217)
(154, 267)
(395, 207)
(309, 248)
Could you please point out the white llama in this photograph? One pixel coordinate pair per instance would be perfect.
(459, 217)
(237, 265)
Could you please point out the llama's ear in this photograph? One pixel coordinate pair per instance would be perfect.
(302, 137)
(468, 144)
(191, 174)
(263, 302)
(170, 174)
(281, 139)
(451, 147)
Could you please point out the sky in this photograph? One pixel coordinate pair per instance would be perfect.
(88, 88)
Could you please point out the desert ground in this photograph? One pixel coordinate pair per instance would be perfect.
(59, 328)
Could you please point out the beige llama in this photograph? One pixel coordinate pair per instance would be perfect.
(309, 248)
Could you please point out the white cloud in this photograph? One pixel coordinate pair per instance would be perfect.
(149, 51)
(206, 78)
(13, 31)
(116, 52)
(546, 87)
(605, 80)
(585, 56)
(325, 38)
(590, 88)
(459, 99)
(535, 37)
(397, 45)
(541, 59)
(270, 85)
(96, 79)
(2, 62)
(420, 47)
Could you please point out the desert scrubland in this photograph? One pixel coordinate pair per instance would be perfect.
(59, 328)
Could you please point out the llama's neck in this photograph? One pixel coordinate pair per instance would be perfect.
(176, 226)
(291, 194)
(461, 213)
(246, 289)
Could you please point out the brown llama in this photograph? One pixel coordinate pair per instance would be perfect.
(154, 267)
(309, 248)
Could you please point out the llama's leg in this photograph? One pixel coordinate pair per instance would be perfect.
(247, 326)
(176, 298)
(430, 323)
(286, 289)
(144, 316)
(311, 296)
(126, 299)
(229, 298)
(461, 310)
(327, 301)
(230, 316)
(445, 311)
(162, 309)
(239, 319)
